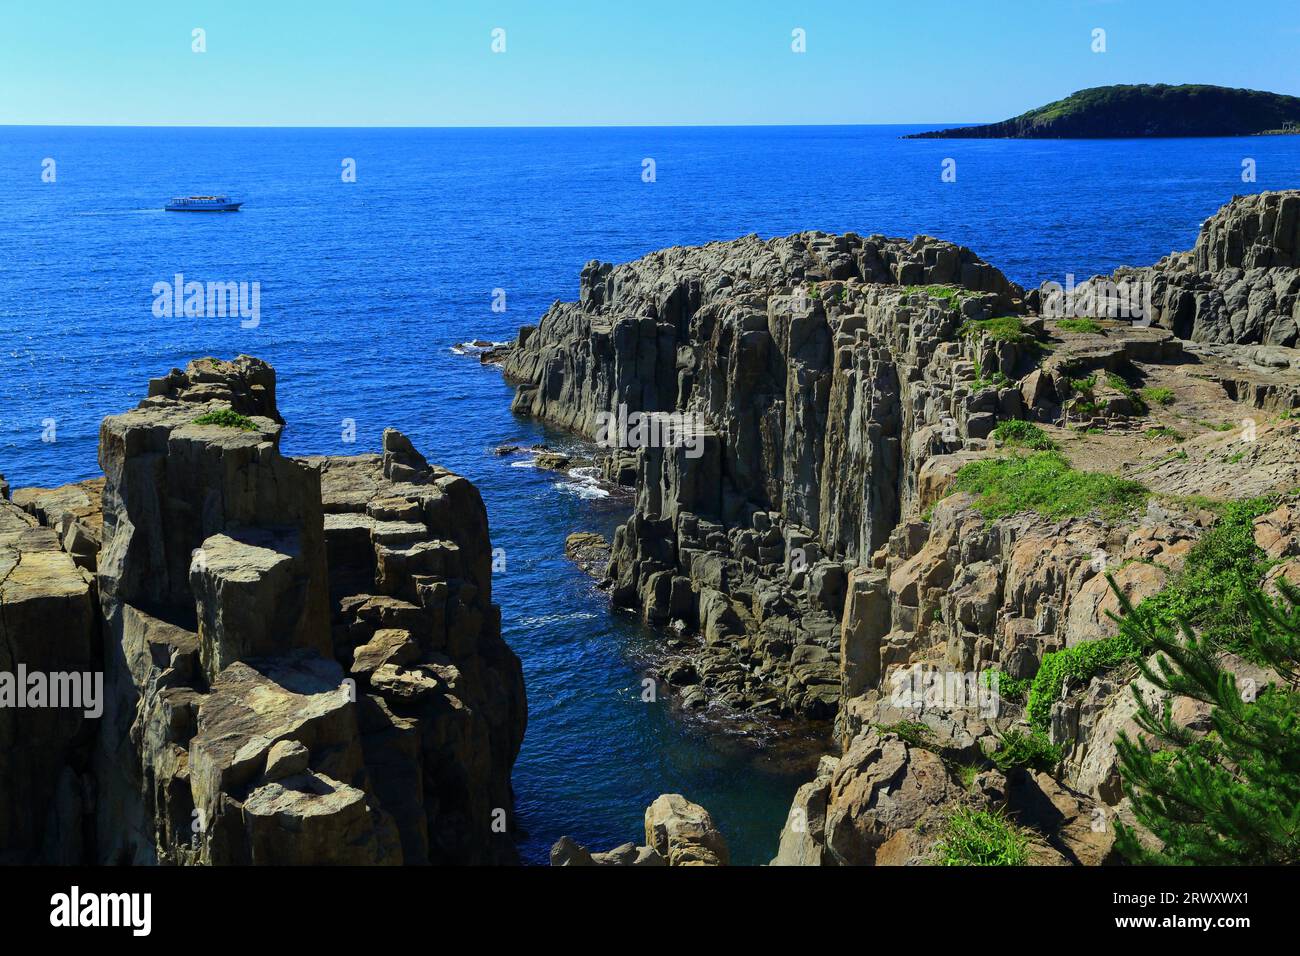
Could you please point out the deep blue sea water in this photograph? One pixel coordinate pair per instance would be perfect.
(366, 285)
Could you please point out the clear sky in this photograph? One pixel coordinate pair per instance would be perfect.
(613, 62)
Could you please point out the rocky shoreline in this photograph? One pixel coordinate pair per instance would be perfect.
(302, 659)
(819, 547)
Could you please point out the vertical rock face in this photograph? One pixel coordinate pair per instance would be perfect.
(811, 536)
(820, 375)
(443, 708)
(47, 627)
(215, 540)
(296, 671)
(1240, 283)
(1252, 232)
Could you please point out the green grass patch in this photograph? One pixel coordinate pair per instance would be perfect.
(1216, 426)
(1080, 325)
(1004, 328)
(1031, 751)
(1085, 402)
(981, 838)
(1023, 434)
(1045, 483)
(946, 292)
(1009, 688)
(1199, 503)
(1158, 395)
(227, 418)
(1164, 433)
(911, 732)
(996, 380)
(1128, 391)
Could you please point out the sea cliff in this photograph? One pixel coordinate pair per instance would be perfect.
(301, 659)
(832, 550)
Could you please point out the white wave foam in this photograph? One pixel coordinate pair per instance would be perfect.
(583, 488)
(477, 347)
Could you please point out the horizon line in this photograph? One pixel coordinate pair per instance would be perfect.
(467, 126)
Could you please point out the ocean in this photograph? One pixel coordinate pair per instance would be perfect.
(365, 287)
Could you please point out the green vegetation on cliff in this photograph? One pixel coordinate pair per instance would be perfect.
(1020, 433)
(1144, 110)
(1232, 795)
(1002, 328)
(1079, 664)
(1044, 482)
(1212, 593)
(227, 418)
(1020, 750)
(981, 838)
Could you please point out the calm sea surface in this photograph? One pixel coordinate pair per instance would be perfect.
(365, 287)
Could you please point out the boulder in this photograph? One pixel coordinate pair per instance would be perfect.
(889, 796)
(683, 833)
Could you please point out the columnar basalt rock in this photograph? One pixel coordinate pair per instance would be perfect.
(73, 512)
(303, 663)
(47, 627)
(813, 540)
(1240, 283)
(794, 356)
(442, 696)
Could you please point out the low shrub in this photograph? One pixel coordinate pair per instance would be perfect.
(227, 418)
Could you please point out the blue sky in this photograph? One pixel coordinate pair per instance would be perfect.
(613, 62)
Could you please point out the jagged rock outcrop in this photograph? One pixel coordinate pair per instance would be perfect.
(1240, 282)
(589, 551)
(443, 704)
(628, 340)
(810, 540)
(677, 833)
(302, 660)
(792, 355)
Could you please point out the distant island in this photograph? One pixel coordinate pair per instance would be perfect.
(1145, 110)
